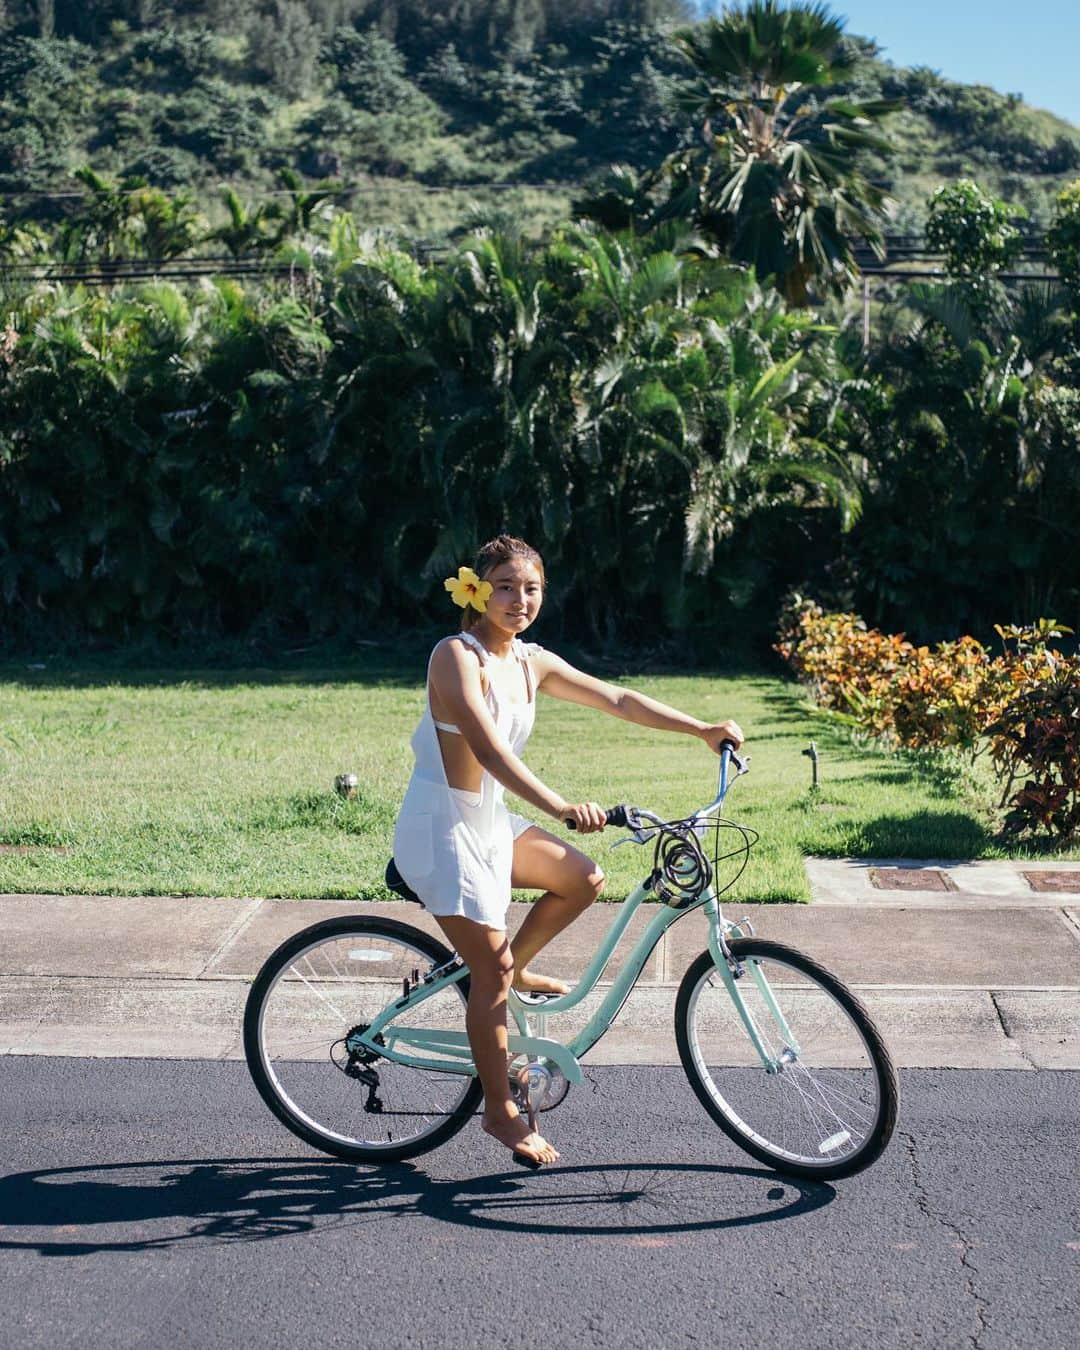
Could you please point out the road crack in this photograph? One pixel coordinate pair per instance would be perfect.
(961, 1242)
(1007, 1032)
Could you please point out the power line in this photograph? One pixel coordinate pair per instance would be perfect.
(936, 274)
(44, 194)
(93, 276)
(98, 274)
(120, 263)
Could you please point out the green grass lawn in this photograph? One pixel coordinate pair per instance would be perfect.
(220, 783)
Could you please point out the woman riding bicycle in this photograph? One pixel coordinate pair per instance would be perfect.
(458, 846)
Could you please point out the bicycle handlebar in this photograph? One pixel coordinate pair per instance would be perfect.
(616, 815)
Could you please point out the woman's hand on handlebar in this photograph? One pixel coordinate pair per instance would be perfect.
(715, 735)
(587, 817)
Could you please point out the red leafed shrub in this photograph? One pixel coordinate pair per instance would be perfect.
(1023, 706)
(1037, 737)
(913, 696)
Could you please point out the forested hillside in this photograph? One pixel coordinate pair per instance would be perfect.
(425, 110)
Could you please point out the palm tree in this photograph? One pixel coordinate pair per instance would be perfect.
(691, 408)
(303, 213)
(164, 226)
(249, 228)
(100, 227)
(777, 178)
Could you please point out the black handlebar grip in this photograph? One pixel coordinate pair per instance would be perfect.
(616, 815)
(729, 746)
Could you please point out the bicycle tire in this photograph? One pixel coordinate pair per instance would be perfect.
(816, 1096)
(268, 1078)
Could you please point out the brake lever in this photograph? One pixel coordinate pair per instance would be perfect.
(641, 836)
(641, 831)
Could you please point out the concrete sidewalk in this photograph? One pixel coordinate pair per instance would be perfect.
(976, 971)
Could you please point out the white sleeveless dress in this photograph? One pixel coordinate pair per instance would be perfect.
(455, 848)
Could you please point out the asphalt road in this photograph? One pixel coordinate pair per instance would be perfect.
(158, 1203)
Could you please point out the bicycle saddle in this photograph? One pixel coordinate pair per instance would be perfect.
(399, 885)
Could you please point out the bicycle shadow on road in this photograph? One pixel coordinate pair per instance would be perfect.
(74, 1211)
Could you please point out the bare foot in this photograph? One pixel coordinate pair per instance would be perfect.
(513, 1131)
(526, 982)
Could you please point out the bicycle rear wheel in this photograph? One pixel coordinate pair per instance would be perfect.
(828, 1106)
(313, 993)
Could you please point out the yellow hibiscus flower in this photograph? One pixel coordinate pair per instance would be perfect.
(467, 589)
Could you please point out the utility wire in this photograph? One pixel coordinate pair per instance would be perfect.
(44, 194)
(92, 275)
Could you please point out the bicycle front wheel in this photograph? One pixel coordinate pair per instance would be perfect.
(306, 1006)
(824, 1106)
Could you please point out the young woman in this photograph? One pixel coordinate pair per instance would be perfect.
(458, 846)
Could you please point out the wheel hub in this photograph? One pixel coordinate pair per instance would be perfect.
(358, 1052)
(537, 1084)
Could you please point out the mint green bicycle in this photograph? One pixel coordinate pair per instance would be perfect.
(354, 1028)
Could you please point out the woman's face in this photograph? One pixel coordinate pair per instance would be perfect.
(516, 596)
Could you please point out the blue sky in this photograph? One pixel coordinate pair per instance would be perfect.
(1031, 49)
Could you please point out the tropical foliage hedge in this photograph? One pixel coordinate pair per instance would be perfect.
(1022, 706)
(303, 458)
(294, 458)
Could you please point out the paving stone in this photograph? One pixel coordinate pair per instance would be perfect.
(910, 879)
(1054, 883)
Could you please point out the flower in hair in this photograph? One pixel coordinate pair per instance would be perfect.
(467, 589)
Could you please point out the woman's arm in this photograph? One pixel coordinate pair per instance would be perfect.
(562, 680)
(455, 677)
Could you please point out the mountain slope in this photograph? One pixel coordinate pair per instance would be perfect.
(428, 113)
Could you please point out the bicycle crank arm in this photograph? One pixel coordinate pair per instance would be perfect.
(451, 1042)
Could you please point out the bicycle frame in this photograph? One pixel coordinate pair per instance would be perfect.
(406, 1044)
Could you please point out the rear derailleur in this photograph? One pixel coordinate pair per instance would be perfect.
(357, 1064)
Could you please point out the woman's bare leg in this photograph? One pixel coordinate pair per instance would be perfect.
(491, 968)
(570, 880)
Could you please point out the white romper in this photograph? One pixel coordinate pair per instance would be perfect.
(455, 848)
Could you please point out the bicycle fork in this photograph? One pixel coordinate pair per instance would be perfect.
(732, 970)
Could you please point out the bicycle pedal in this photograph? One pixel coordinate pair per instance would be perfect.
(534, 998)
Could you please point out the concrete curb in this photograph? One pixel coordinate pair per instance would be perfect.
(201, 1019)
